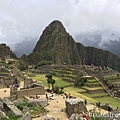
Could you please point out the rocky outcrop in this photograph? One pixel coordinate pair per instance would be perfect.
(2, 114)
(27, 116)
(38, 102)
(9, 106)
(98, 57)
(5, 52)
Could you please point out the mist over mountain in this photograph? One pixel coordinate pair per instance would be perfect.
(25, 47)
(103, 39)
(57, 46)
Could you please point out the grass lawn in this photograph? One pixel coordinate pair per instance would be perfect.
(96, 94)
(112, 101)
(59, 81)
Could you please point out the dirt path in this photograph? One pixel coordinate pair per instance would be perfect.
(55, 106)
(7, 93)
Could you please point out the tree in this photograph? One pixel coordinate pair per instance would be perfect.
(80, 81)
(50, 80)
(52, 83)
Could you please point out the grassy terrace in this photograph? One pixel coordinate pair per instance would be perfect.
(96, 94)
(79, 92)
(59, 81)
(94, 88)
(111, 77)
(92, 81)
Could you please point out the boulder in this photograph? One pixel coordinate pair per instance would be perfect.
(38, 102)
(47, 117)
(9, 106)
(2, 114)
(27, 116)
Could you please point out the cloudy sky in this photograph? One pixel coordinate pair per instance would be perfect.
(26, 19)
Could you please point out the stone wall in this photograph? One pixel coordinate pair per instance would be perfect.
(30, 91)
(8, 81)
(75, 106)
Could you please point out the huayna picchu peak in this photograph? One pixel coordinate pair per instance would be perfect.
(57, 46)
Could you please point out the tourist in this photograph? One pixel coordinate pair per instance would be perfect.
(85, 116)
(69, 96)
(85, 102)
(36, 96)
(46, 96)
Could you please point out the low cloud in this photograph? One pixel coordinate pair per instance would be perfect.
(26, 19)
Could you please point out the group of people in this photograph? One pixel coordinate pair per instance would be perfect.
(67, 96)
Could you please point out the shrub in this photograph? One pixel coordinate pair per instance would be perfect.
(56, 89)
(21, 104)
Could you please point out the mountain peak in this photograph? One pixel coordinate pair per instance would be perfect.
(54, 27)
(56, 45)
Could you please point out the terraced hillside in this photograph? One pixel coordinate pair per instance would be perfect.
(9, 74)
(113, 83)
(66, 76)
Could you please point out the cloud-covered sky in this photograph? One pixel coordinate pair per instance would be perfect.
(26, 19)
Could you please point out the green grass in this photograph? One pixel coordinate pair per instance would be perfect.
(74, 91)
(11, 117)
(92, 81)
(110, 77)
(112, 101)
(59, 82)
(107, 99)
(94, 88)
(36, 110)
(96, 94)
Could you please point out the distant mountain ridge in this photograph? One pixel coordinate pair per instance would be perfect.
(103, 39)
(57, 46)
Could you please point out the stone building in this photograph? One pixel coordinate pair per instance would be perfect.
(75, 106)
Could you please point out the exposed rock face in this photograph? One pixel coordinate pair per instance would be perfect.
(75, 106)
(1, 104)
(6, 52)
(56, 45)
(8, 105)
(2, 114)
(98, 57)
(27, 116)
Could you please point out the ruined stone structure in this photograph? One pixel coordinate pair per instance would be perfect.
(8, 81)
(16, 94)
(75, 106)
(28, 82)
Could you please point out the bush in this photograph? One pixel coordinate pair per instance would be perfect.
(56, 89)
(21, 104)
